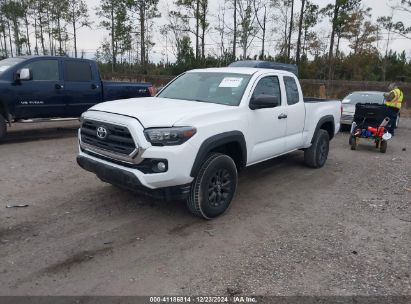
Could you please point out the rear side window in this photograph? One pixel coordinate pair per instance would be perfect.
(268, 86)
(291, 88)
(77, 71)
(44, 69)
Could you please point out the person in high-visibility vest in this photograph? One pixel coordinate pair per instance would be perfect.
(393, 101)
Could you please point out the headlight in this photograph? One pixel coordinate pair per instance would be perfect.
(169, 136)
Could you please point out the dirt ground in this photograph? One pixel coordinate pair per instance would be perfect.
(344, 229)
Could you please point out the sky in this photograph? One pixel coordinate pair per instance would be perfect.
(90, 39)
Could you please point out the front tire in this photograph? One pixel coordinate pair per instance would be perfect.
(214, 187)
(383, 146)
(354, 143)
(316, 155)
(3, 127)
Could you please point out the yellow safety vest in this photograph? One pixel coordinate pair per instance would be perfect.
(397, 100)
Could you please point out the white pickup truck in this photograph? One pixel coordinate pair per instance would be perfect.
(190, 140)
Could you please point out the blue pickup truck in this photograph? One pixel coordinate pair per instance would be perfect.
(56, 87)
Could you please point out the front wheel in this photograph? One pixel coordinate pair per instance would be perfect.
(316, 155)
(354, 143)
(350, 139)
(3, 127)
(383, 146)
(214, 186)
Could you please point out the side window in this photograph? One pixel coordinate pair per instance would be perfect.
(268, 86)
(291, 88)
(44, 69)
(77, 71)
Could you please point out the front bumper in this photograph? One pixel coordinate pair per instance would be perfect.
(128, 180)
(346, 122)
(179, 158)
(347, 119)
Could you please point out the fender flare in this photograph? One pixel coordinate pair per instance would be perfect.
(324, 119)
(214, 142)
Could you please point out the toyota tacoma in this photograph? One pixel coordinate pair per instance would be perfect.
(191, 139)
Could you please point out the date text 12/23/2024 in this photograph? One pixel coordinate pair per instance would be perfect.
(203, 299)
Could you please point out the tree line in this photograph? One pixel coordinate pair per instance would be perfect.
(40, 27)
(195, 35)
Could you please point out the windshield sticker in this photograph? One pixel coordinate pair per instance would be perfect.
(4, 67)
(230, 82)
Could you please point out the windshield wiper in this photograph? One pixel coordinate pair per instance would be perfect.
(199, 100)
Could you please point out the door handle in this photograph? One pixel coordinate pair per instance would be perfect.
(94, 86)
(282, 116)
(58, 86)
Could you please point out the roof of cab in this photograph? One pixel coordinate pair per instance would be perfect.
(265, 64)
(239, 70)
(49, 57)
(368, 92)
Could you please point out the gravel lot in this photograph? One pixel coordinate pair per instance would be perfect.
(342, 230)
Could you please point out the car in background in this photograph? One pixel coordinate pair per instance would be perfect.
(56, 87)
(349, 102)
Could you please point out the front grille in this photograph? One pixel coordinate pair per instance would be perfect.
(118, 139)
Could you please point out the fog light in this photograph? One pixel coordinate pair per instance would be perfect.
(161, 166)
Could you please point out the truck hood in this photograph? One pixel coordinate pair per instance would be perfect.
(159, 112)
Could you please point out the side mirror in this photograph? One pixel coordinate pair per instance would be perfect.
(264, 101)
(24, 74)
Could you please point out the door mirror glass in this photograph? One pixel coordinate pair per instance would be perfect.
(264, 101)
(24, 74)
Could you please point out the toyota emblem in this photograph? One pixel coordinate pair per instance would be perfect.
(102, 132)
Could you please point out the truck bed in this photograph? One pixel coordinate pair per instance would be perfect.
(113, 90)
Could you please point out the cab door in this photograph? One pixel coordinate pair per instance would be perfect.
(295, 114)
(43, 95)
(267, 126)
(82, 86)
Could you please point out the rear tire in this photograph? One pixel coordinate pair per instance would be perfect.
(316, 155)
(383, 146)
(3, 127)
(214, 187)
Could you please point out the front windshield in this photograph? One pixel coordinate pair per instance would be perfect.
(355, 98)
(213, 87)
(9, 62)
